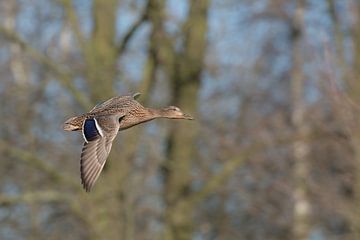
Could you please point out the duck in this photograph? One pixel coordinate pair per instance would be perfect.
(100, 126)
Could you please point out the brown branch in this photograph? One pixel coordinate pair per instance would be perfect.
(31, 197)
(227, 171)
(31, 159)
(233, 164)
(339, 95)
(64, 77)
(74, 23)
(47, 196)
(125, 40)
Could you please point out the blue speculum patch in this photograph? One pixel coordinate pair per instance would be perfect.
(90, 130)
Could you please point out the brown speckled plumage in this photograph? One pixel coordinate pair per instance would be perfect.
(101, 125)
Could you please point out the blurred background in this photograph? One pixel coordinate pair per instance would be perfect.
(274, 86)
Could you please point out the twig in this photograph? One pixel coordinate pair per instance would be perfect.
(64, 77)
(333, 85)
(30, 197)
(125, 40)
(74, 23)
(228, 170)
(39, 164)
(234, 163)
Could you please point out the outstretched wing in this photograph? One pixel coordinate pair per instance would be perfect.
(99, 134)
(119, 102)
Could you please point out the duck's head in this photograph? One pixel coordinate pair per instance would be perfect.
(174, 113)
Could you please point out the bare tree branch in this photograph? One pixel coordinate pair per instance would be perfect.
(64, 77)
(31, 197)
(74, 23)
(125, 40)
(227, 171)
(47, 196)
(34, 161)
(233, 164)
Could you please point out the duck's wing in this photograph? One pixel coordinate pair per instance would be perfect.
(112, 102)
(102, 105)
(99, 133)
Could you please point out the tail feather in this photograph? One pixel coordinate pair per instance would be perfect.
(74, 123)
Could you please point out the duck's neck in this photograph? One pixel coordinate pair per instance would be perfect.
(156, 113)
(147, 114)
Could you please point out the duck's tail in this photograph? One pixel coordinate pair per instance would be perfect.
(74, 123)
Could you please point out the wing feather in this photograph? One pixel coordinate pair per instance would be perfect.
(96, 151)
(90, 162)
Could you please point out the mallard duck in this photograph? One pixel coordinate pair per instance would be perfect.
(100, 126)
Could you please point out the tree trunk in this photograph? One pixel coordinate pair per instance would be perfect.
(301, 225)
(353, 120)
(100, 53)
(185, 76)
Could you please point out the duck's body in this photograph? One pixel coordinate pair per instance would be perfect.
(101, 125)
